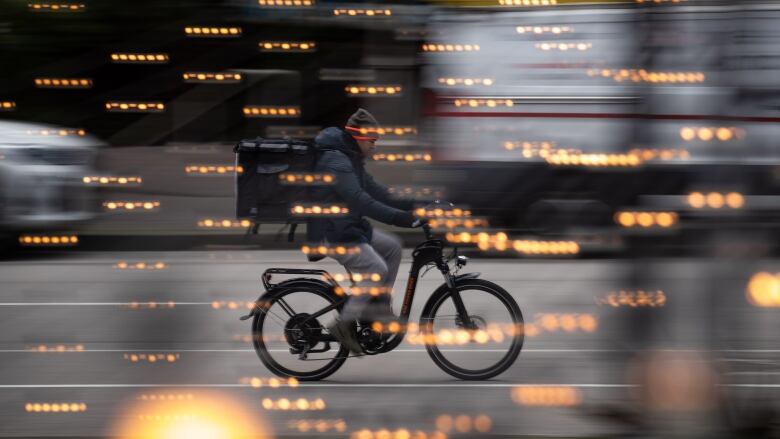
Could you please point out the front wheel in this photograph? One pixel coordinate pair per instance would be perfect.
(481, 340)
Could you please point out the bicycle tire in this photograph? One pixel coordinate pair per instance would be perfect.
(265, 302)
(428, 317)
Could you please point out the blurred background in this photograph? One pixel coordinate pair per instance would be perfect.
(615, 165)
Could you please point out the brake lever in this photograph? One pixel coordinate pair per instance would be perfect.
(439, 202)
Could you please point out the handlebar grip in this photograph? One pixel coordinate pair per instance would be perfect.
(427, 230)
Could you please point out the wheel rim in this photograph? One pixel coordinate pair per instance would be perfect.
(275, 332)
(496, 342)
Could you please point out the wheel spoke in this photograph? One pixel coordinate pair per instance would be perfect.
(279, 319)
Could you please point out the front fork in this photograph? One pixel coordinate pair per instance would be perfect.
(463, 320)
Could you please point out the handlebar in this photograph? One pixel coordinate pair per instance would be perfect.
(427, 230)
(423, 223)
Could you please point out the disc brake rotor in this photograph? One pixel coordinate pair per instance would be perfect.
(477, 321)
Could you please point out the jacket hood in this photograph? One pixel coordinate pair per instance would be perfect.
(338, 139)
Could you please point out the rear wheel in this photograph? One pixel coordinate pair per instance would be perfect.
(484, 344)
(287, 340)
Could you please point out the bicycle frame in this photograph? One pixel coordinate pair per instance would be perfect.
(430, 251)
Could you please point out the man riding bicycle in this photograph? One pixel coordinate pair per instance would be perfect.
(343, 154)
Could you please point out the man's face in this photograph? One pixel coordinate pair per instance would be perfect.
(366, 146)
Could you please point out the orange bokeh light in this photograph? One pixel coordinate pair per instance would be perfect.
(207, 415)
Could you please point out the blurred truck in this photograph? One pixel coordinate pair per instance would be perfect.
(555, 119)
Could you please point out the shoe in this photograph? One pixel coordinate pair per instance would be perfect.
(344, 332)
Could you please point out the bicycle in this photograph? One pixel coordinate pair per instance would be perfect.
(303, 337)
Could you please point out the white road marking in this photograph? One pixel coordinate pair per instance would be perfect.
(324, 385)
(753, 373)
(161, 304)
(404, 351)
(535, 351)
(357, 385)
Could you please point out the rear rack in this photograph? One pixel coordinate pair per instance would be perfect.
(267, 275)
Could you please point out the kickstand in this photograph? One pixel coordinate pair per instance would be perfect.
(304, 353)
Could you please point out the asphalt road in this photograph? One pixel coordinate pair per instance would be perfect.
(101, 315)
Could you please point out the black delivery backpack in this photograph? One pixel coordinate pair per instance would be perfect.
(263, 192)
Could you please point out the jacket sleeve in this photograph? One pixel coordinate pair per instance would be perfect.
(348, 188)
(382, 194)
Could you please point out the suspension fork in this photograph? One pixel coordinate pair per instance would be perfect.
(463, 314)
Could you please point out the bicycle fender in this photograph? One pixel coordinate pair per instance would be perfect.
(308, 281)
(467, 276)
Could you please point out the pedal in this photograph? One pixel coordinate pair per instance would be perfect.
(325, 348)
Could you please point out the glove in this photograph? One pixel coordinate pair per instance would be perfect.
(404, 219)
(419, 222)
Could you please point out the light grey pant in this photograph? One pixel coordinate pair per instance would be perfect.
(381, 256)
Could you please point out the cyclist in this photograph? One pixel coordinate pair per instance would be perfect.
(343, 154)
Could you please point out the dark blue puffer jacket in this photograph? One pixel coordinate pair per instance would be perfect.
(341, 156)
